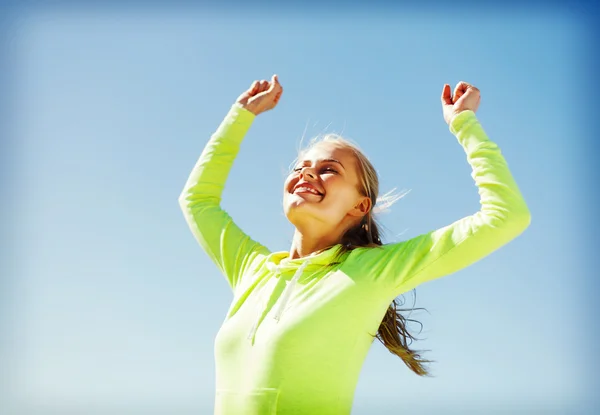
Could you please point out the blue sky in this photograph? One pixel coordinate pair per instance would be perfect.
(114, 305)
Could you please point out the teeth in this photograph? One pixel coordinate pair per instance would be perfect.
(307, 189)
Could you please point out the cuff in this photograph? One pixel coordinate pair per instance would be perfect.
(461, 121)
(241, 114)
(236, 123)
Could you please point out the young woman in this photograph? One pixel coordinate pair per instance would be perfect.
(301, 322)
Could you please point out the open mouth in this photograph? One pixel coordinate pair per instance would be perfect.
(307, 189)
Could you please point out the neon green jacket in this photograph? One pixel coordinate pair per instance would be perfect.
(297, 331)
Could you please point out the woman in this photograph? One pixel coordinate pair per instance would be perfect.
(301, 322)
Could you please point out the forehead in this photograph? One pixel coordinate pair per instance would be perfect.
(324, 151)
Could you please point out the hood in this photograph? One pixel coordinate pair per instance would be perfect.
(279, 261)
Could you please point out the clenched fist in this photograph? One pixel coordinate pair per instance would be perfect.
(262, 96)
(465, 97)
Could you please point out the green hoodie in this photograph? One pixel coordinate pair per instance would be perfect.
(298, 331)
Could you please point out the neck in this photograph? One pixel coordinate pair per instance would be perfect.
(305, 244)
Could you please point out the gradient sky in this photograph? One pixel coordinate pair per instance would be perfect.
(114, 306)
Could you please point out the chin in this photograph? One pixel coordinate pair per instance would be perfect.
(294, 205)
(300, 212)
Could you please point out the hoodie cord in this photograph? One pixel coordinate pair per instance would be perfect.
(284, 298)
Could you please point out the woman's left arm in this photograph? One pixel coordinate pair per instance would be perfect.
(503, 215)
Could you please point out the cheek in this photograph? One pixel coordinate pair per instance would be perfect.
(289, 182)
(336, 187)
(338, 194)
(343, 193)
(287, 186)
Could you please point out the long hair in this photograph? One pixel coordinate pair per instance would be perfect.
(393, 332)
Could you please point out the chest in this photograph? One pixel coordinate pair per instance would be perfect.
(328, 305)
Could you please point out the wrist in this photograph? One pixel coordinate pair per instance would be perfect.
(248, 107)
(241, 110)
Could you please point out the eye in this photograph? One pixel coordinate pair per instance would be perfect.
(323, 170)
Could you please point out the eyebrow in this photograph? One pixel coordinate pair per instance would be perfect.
(328, 161)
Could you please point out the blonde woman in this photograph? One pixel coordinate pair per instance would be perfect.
(302, 321)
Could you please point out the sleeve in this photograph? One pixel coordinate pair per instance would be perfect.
(502, 217)
(224, 242)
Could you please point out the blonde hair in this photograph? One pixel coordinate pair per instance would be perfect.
(392, 332)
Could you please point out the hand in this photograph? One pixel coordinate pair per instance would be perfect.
(466, 97)
(262, 96)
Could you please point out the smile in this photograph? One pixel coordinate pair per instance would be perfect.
(305, 189)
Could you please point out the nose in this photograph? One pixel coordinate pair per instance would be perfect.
(308, 172)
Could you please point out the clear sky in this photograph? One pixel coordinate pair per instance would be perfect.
(114, 306)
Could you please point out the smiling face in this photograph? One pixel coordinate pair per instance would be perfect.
(325, 188)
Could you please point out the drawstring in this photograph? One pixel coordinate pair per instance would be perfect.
(284, 298)
(288, 290)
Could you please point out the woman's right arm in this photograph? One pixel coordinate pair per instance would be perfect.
(225, 243)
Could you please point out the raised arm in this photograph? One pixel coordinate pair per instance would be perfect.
(225, 243)
(502, 217)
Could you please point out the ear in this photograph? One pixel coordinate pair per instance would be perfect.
(362, 207)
